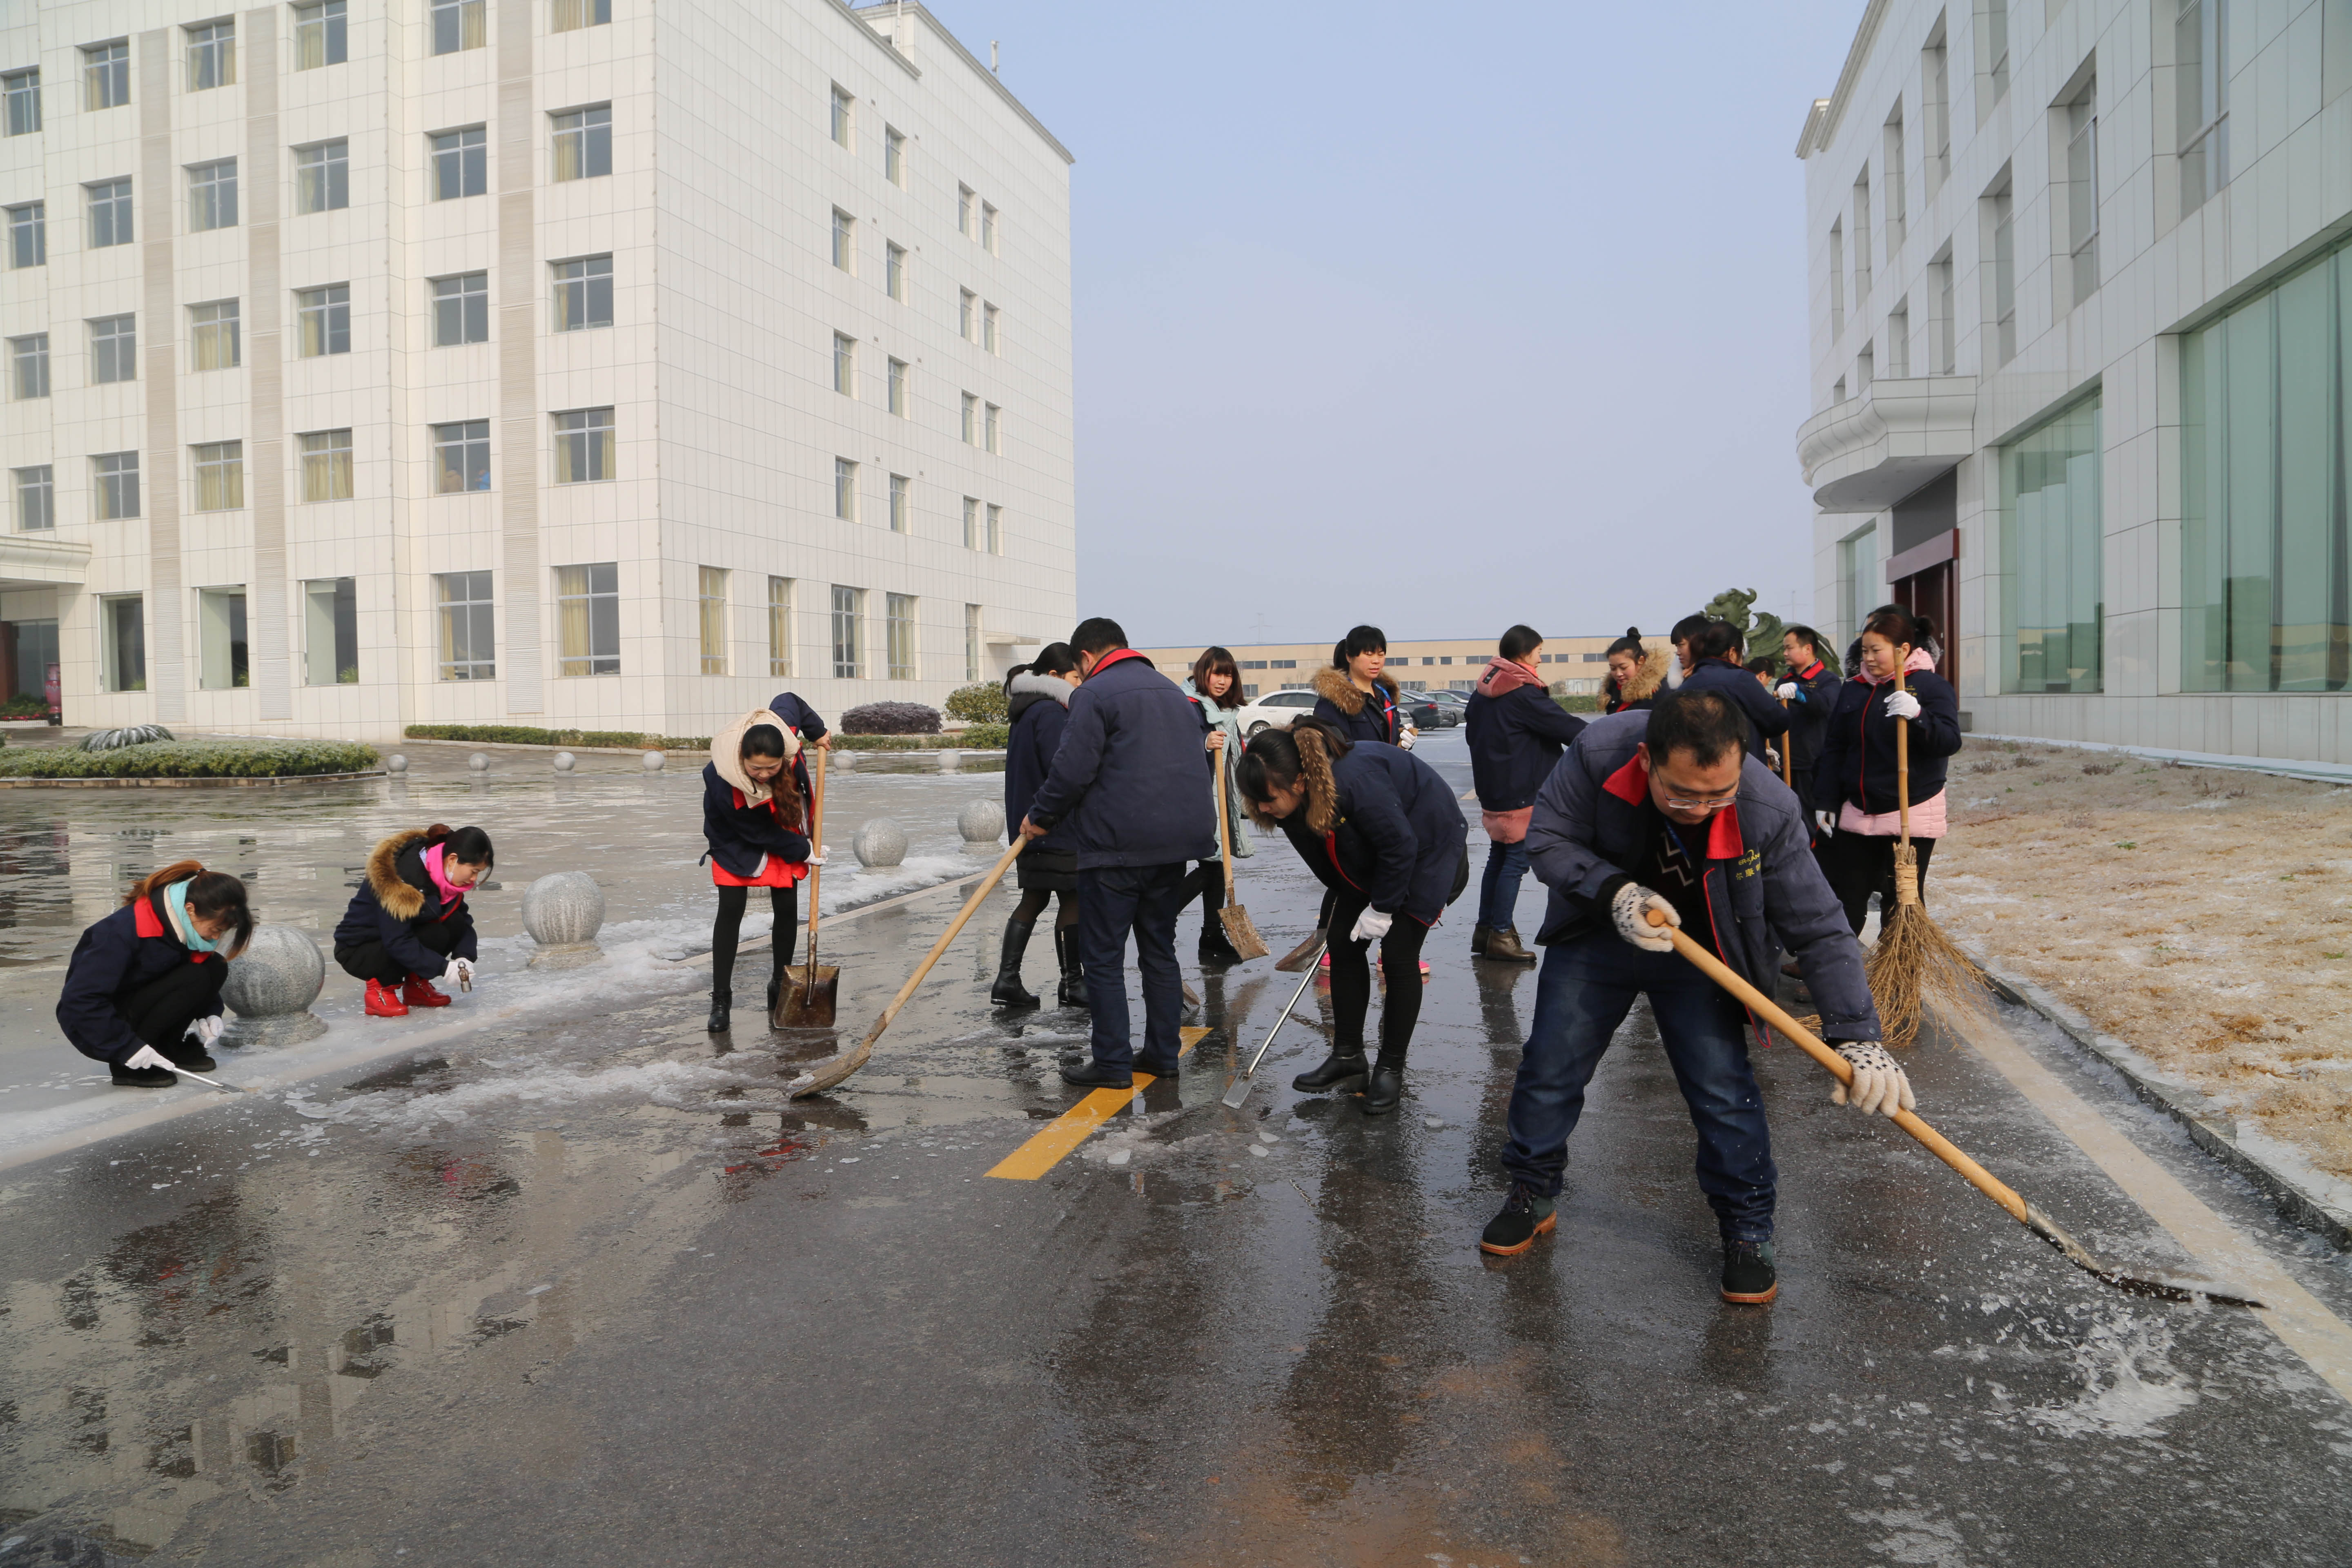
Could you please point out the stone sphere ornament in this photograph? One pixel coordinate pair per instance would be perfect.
(270, 987)
(478, 763)
(982, 822)
(653, 761)
(565, 761)
(880, 842)
(564, 911)
(395, 764)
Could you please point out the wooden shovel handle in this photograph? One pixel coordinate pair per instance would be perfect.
(1788, 772)
(1764, 1007)
(946, 936)
(1225, 834)
(816, 873)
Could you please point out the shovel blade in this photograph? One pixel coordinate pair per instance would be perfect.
(1241, 932)
(1238, 1093)
(807, 1004)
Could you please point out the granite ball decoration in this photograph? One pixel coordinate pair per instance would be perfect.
(395, 764)
(653, 761)
(565, 761)
(880, 842)
(270, 987)
(982, 821)
(564, 911)
(478, 763)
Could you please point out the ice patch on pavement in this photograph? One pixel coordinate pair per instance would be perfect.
(682, 1085)
(1916, 1538)
(2130, 1385)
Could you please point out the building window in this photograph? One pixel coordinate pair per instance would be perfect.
(2004, 280)
(461, 163)
(894, 271)
(1898, 340)
(122, 642)
(2265, 546)
(844, 241)
(1865, 369)
(848, 633)
(2200, 75)
(1862, 242)
(583, 446)
(898, 626)
(2083, 191)
(109, 213)
(972, 640)
(779, 626)
(327, 465)
(1890, 167)
(583, 293)
(1862, 586)
(963, 210)
(988, 228)
(970, 420)
(222, 653)
(845, 365)
(29, 235)
(1936, 112)
(211, 195)
(106, 74)
(1944, 328)
(988, 328)
(900, 503)
(456, 25)
(993, 428)
(571, 16)
(220, 476)
(322, 177)
(114, 349)
(28, 366)
(1992, 54)
(214, 336)
(971, 522)
(2050, 540)
(1837, 278)
(898, 387)
(583, 144)
(845, 111)
(588, 619)
(965, 300)
(461, 309)
(330, 626)
(894, 156)
(37, 500)
(844, 490)
(21, 91)
(114, 479)
(323, 320)
(467, 626)
(712, 618)
(995, 528)
(461, 457)
(320, 35)
(212, 54)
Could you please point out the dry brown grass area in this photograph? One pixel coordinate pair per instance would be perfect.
(2205, 917)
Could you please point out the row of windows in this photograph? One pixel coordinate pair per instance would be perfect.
(976, 220)
(978, 320)
(330, 654)
(983, 421)
(984, 521)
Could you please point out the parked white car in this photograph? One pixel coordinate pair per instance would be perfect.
(1275, 710)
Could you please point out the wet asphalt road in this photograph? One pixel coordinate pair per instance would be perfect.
(580, 1287)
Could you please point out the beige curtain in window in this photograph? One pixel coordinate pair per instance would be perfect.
(714, 621)
(571, 620)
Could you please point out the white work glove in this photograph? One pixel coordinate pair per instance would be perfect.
(1827, 822)
(147, 1056)
(1773, 758)
(813, 860)
(1370, 926)
(1903, 704)
(1406, 738)
(207, 1030)
(459, 973)
(1879, 1083)
(1630, 909)
(1786, 691)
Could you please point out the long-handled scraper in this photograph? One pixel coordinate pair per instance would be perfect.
(1239, 1089)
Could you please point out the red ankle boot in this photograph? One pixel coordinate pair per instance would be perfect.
(384, 1004)
(419, 992)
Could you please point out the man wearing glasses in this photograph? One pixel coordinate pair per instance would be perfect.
(1664, 809)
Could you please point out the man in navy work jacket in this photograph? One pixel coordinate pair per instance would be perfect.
(1663, 811)
(1128, 790)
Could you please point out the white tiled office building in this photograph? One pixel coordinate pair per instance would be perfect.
(2082, 358)
(596, 363)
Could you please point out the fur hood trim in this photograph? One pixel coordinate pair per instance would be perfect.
(1648, 678)
(727, 753)
(1029, 683)
(400, 901)
(1333, 684)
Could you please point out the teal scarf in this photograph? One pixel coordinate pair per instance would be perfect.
(184, 924)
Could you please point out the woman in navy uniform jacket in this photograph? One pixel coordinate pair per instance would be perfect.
(149, 974)
(755, 820)
(1037, 701)
(1385, 834)
(408, 923)
(1855, 804)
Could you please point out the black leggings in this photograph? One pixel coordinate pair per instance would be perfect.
(1351, 980)
(728, 929)
(1207, 883)
(1860, 864)
(1033, 904)
(159, 1011)
(370, 960)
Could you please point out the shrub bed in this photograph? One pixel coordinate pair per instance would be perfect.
(523, 735)
(972, 738)
(979, 703)
(891, 718)
(192, 760)
(1583, 702)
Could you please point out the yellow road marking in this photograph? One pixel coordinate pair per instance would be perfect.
(1055, 1142)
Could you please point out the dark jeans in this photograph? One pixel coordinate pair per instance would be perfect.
(1112, 901)
(1858, 866)
(1586, 988)
(1498, 886)
(159, 1011)
(1351, 981)
(370, 960)
(727, 931)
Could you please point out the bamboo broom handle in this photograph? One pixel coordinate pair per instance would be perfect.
(1763, 1007)
(1903, 756)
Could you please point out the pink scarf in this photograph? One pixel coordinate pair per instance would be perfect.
(451, 894)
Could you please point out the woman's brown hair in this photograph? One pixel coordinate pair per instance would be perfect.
(1300, 755)
(211, 894)
(1217, 661)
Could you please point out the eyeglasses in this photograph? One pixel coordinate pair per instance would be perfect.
(1715, 803)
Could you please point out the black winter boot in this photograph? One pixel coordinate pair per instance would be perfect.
(722, 1003)
(1339, 1071)
(1008, 992)
(1526, 1215)
(1385, 1086)
(1216, 946)
(1478, 935)
(1072, 993)
(1749, 1278)
(142, 1078)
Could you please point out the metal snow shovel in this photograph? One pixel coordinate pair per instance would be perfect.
(825, 1074)
(2023, 1213)
(1239, 1089)
(211, 1082)
(809, 990)
(1239, 930)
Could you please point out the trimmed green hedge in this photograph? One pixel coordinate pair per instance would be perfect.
(1583, 702)
(972, 738)
(522, 735)
(980, 703)
(192, 760)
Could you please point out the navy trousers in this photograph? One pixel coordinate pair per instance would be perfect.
(1113, 901)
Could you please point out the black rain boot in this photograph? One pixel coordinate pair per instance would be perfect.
(722, 1003)
(1008, 990)
(1478, 935)
(1072, 993)
(1216, 946)
(1386, 1085)
(1339, 1071)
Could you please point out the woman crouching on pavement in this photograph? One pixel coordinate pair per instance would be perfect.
(1635, 676)
(1385, 835)
(408, 923)
(1854, 804)
(1038, 699)
(756, 824)
(1216, 691)
(144, 987)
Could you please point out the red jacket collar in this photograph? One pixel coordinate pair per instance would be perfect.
(146, 919)
(1812, 670)
(1110, 658)
(1631, 784)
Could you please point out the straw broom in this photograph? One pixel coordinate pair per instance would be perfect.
(1915, 963)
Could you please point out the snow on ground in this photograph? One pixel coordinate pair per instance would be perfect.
(2204, 916)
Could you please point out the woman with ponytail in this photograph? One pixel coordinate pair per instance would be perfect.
(1384, 833)
(144, 987)
(1357, 698)
(756, 823)
(1854, 803)
(408, 923)
(1636, 674)
(1037, 701)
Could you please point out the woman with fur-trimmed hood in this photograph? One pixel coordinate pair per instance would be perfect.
(408, 923)
(756, 824)
(1385, 834)
(1635, 674)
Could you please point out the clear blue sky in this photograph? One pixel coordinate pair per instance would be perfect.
(1436, 317)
